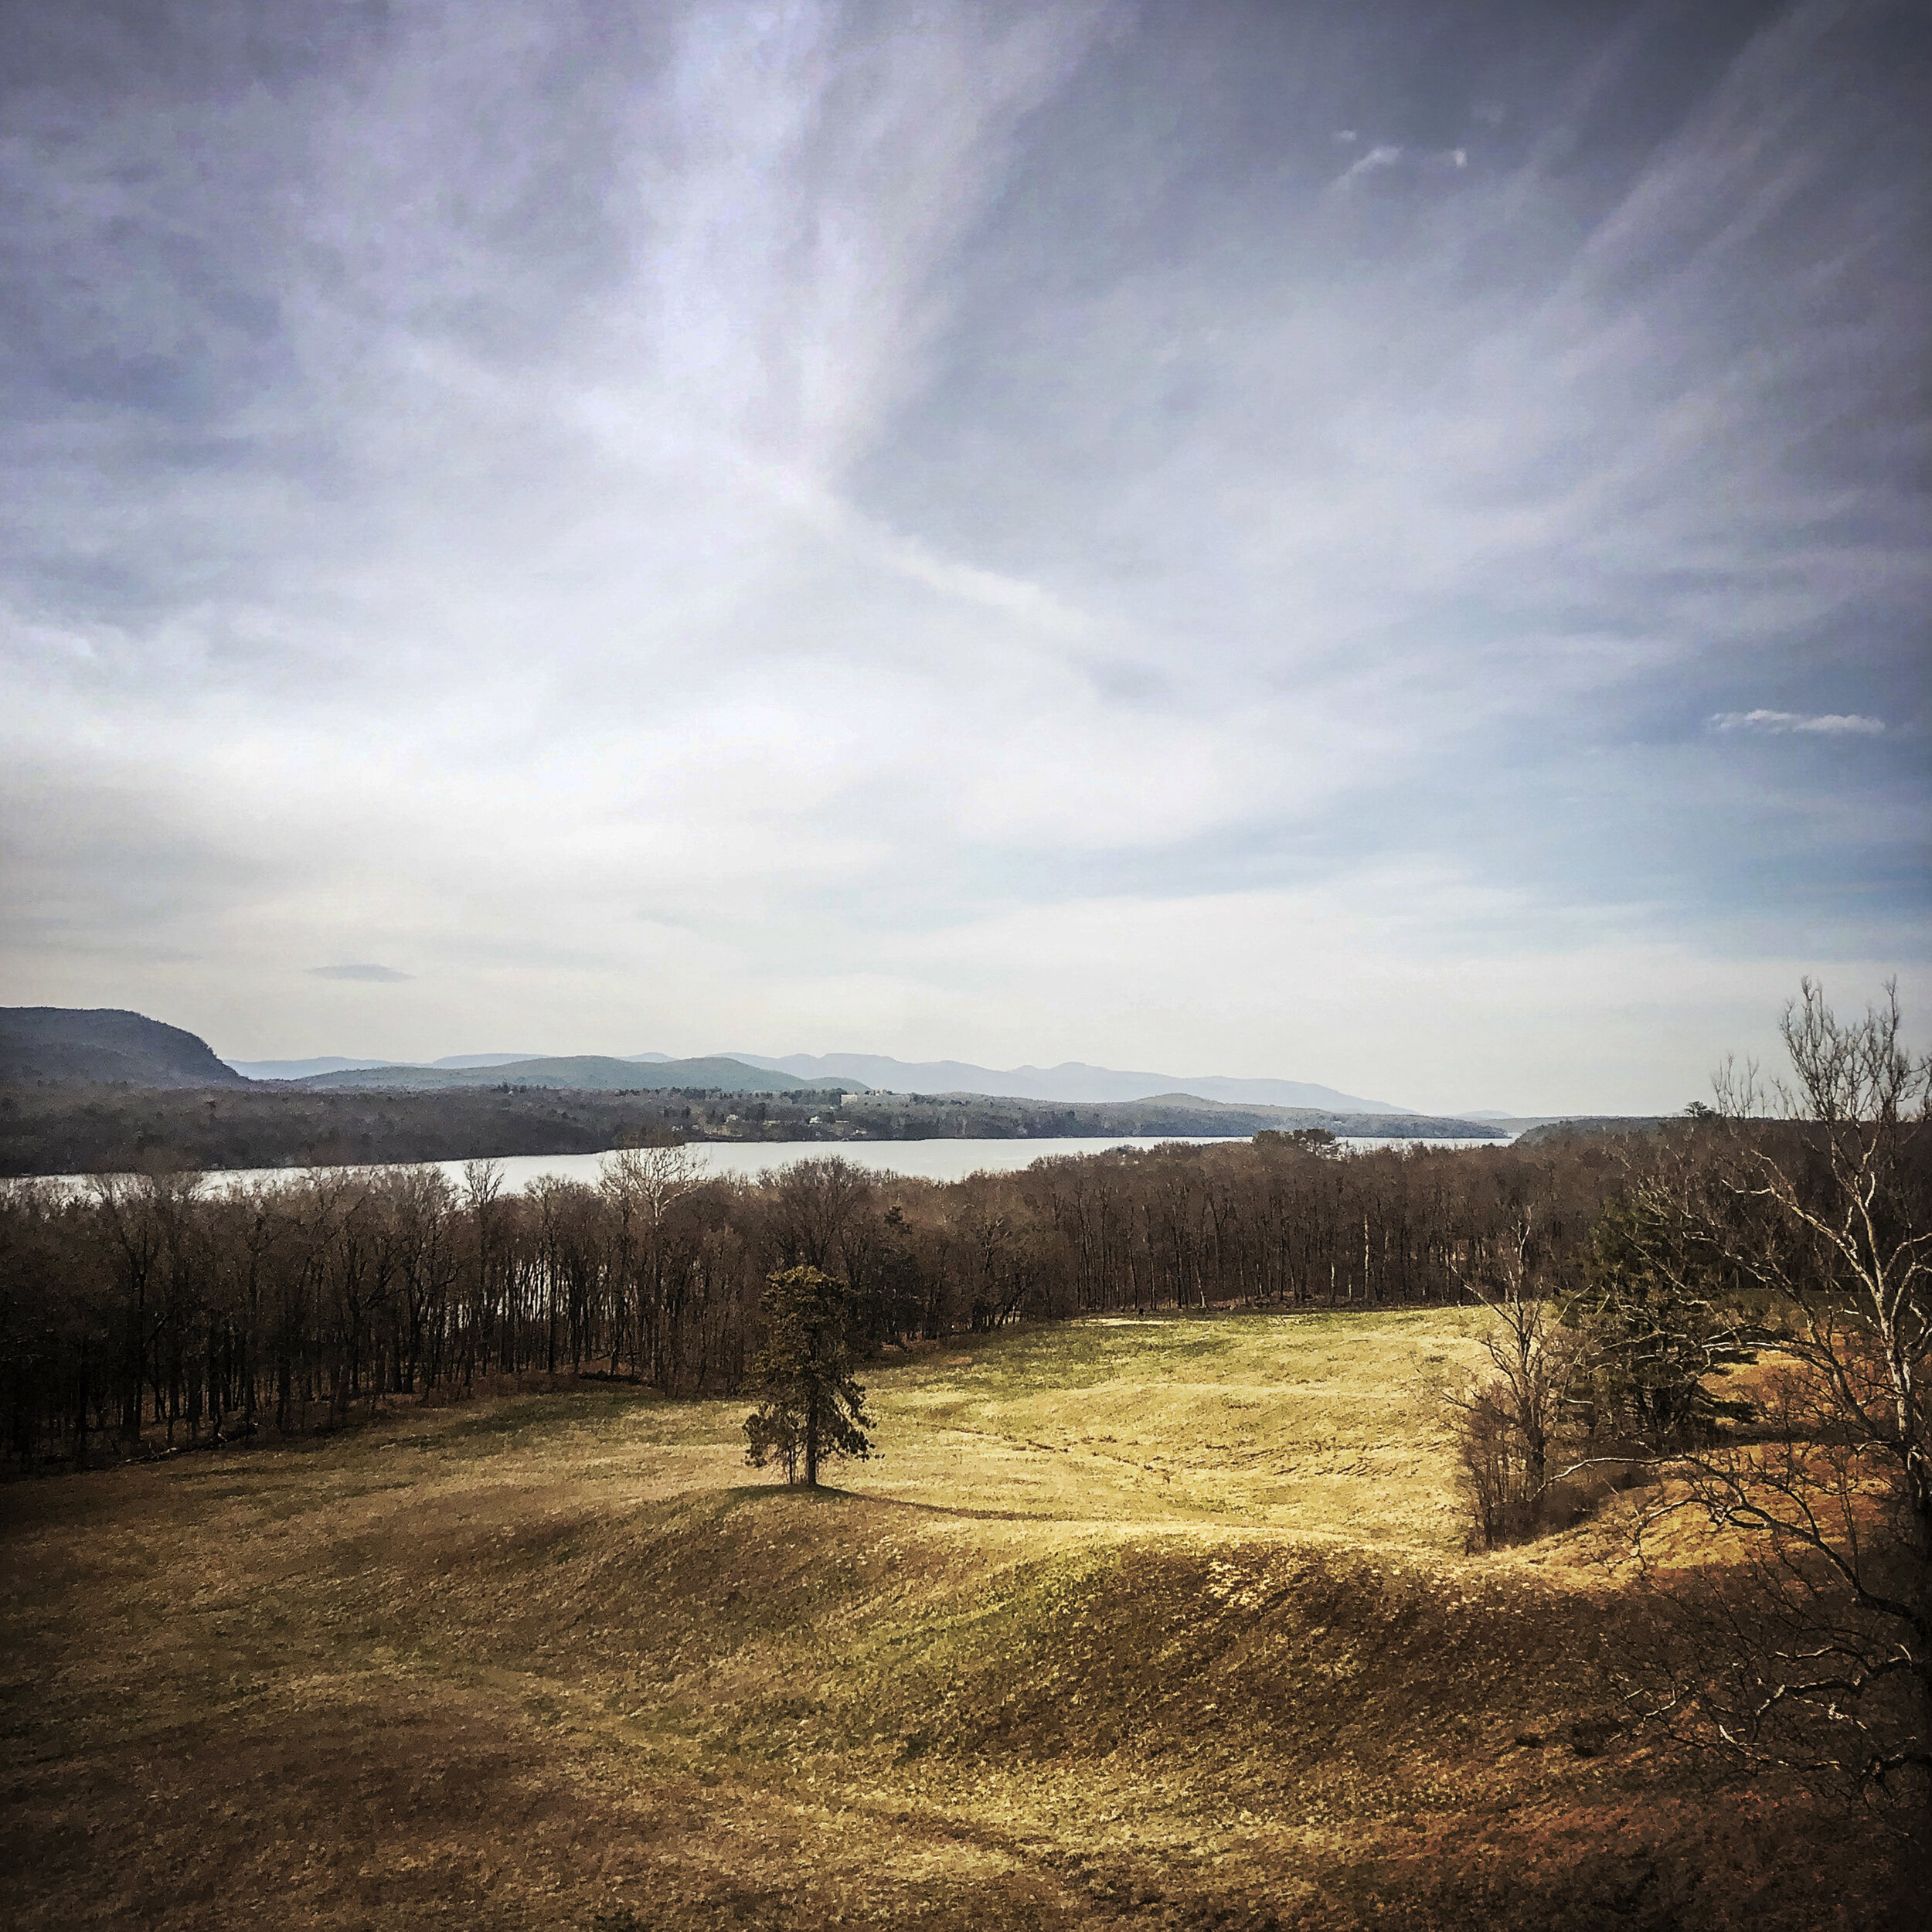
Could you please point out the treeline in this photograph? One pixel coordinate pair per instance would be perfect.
(914, 1117)
(168, 1310)
(83, 1130)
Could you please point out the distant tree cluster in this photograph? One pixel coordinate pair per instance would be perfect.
(168, 1309)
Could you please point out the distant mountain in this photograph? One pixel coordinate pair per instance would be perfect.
(60, 1046)
(1071, 1080)
(585, 1073)
(339, 1063)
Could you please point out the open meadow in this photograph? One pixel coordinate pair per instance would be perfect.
(1160, 1622)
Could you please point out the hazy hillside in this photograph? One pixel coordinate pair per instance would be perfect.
(587, 1072)
(1071, 1080)
(64, 1044)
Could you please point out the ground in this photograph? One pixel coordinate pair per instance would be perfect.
(1159, 1623)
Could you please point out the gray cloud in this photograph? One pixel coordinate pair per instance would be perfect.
(886, 532)
(378, 975)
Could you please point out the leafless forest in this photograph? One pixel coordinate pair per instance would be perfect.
(166, 1311)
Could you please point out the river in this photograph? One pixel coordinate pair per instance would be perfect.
(939, 1160)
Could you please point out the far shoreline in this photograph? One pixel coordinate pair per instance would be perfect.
(56, 1129)
(940, 1158)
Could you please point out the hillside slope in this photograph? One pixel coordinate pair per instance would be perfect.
(1594, 1125)
(64, 1045)
(1158, 1623)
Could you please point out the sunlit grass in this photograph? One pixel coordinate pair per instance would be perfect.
(1163, 1621)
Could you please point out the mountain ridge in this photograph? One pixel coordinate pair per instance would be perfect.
(584, 1073)
(1071, 1081)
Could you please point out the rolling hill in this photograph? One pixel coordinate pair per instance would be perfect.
(585, 1073)
(1149, 1622)
(302, 1069)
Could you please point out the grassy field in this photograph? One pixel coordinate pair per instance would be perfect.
(1161, 1623)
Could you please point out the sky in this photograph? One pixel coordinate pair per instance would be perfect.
(1380, 545)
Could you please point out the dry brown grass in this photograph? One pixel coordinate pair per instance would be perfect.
(1158, 1623)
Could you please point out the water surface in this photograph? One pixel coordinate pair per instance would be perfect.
(946, 1160)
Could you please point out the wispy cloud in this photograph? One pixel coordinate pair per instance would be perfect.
(1383, 155)
(1827, 723)
(1414, 162)
(375, 975)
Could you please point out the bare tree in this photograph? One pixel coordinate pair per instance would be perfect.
(1508, 1419)
(1813, 1648)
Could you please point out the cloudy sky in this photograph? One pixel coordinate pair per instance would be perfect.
(1379, 545)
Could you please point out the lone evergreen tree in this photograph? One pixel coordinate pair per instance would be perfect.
(810, 1407)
